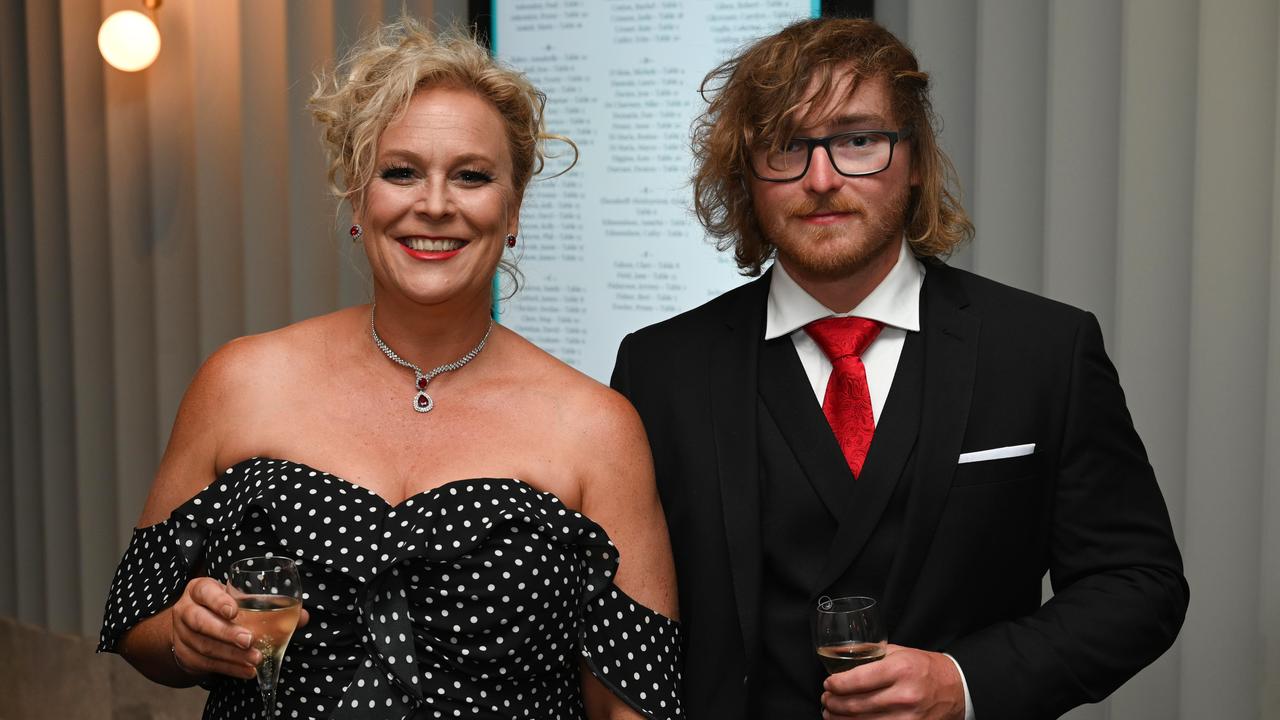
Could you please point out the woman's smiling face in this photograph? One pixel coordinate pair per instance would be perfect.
(441, 201)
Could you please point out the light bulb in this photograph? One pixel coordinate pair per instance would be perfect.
(129, 41)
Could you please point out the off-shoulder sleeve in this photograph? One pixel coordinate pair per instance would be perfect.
(155, 568)
(633, 651)
(163, 557)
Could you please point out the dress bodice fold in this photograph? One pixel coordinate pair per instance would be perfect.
(474, 599)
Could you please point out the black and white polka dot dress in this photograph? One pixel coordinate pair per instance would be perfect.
(475, 599)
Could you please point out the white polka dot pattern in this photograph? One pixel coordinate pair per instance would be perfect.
(474, 599)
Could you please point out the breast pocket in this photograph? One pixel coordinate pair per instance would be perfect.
(990, 472)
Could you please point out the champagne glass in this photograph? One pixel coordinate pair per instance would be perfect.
(848, 632)
(269, 594)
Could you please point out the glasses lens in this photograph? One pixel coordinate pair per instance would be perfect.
(853, 153)
(780, 163)
(859, 153)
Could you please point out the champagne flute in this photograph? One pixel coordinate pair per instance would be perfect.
(848, 632)
(269, 594)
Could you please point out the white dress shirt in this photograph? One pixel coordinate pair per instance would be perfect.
(894, 302)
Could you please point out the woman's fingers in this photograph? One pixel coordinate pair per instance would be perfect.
(200, 655)
(196, 663)
(202, 622)
(215, 637)
(205, 638)
(213, 595)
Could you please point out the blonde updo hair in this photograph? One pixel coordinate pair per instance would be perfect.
(372, 88)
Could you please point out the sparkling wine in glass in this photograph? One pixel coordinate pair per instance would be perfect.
(269, 594)
(848, 632)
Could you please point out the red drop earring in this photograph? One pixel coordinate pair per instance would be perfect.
(511, 241)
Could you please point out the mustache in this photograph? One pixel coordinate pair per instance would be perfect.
(811, 206)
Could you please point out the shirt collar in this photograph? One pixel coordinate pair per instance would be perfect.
(894, 302)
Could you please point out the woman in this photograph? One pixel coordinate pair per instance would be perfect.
(452, 525)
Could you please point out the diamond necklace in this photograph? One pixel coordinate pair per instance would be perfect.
(422, 402)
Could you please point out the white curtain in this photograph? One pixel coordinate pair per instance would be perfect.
(148, 218)
(1125, 157)
(1121, 155)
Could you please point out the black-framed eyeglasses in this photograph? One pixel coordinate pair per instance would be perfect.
(852, 154)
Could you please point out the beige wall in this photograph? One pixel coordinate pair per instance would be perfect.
(1123, 155)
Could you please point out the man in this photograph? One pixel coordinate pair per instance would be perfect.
(940, 452)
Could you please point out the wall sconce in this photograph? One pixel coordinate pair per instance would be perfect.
(129, 40)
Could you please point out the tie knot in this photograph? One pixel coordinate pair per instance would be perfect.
(843, 336)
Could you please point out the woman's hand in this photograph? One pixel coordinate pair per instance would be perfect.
(205, 638)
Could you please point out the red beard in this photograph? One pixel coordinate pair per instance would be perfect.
(835, 251)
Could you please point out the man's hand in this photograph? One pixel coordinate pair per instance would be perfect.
(908, 684)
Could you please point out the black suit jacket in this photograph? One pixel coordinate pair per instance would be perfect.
(1001, 367)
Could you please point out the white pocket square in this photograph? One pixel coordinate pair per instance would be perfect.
(1000, 453)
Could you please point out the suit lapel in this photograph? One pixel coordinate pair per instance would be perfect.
(789, 397)
(950, 334)
(732, 373)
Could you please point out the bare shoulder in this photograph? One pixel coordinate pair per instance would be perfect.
(598, 436)
(241, 367)
(598, 433)
(256, 370)
(592, 415)
(247, 373)
(235, 390)
(270, 354)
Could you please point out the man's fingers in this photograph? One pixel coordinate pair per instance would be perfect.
(858, 711)
(860, 706)
(907, 683)
(829, 715)
(304, 617)
(864, 678)
(867, 691)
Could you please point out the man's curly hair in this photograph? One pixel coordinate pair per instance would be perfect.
(757, 98)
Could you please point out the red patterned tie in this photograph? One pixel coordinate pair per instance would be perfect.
(847, 403)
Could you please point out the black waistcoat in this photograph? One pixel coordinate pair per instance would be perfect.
(805, 486)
